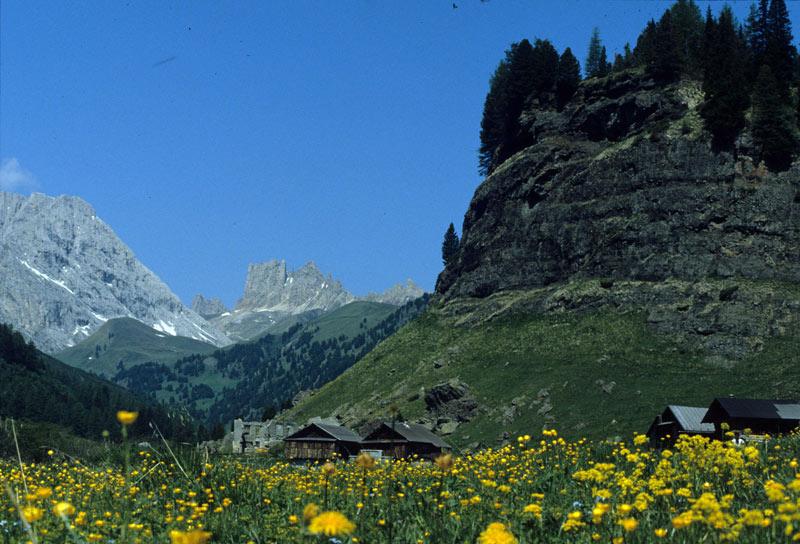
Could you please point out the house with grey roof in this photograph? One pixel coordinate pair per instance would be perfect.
(753, 416)
(402, 440)
(318, 441)
(676, 420)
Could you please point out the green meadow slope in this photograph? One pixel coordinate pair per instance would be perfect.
(590, 369)
(125, 342)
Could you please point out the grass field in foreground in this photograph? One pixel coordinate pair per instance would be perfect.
(539, 489)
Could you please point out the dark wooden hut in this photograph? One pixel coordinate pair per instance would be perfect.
(402, 440)
(677, 420)
(318, 441)
(760, 416)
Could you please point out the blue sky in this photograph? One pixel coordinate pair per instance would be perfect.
(214, 134)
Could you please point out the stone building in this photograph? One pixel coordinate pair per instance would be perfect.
(251, 435)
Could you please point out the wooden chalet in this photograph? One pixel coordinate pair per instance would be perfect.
(677, 420)
(319, 441)
(402, 440)
(760, 416)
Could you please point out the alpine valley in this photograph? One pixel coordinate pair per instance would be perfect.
(72, 288)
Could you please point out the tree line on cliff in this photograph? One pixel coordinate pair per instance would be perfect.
(749, 70)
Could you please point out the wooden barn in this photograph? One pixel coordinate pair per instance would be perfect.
(319, 441)
(677, 420)
(760, 416)
(401, 440)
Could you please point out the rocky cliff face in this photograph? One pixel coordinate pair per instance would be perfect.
(208, 308)
(623, 184)
(398, 294)
(64, 272)
(273, 294)
(270, 287)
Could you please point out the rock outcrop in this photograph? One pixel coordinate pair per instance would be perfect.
(624, 184)
(271, 288)
(451, 400)
(398, 294)
(64, 272)
(208, 308)
(273, 294)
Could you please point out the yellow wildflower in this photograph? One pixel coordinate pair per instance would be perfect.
(496, 533)
(127, 418)
(32, 514)
(195, 536)
(64, 509)
(331, 524)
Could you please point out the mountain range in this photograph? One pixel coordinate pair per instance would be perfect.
(66, 273)
(274, 295)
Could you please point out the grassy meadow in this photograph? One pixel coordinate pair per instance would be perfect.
(600, 372)
(537, 489)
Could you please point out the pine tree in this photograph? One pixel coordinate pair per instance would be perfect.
(605, 67)
(665, 63)
(595, 59)
(627, 55)
(645, 45)
(724, 82)
(545, 61)
(779, 53)
(494, 114)
(450, 245)
(709, 37)
(687, 35)
(756, 29)
(568, 78)
(509, 89)
(774, 122)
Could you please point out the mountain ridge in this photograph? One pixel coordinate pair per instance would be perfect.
(274, 294)
(66, 273)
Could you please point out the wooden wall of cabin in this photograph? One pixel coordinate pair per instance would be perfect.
(309, 450)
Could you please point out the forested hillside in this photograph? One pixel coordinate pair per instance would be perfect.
(255, 379)
(37, 388)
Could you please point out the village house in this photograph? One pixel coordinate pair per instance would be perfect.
(251, 435)
(677, 420)
(401, 440)
(319, 440)
(752, 416)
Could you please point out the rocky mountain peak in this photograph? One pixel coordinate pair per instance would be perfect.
(65, 272)
(398, 294)
(271, 287)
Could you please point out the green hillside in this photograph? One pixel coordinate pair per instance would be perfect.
(599, 370)
(351, 319)
(43, 391)
(248, 378)
(127, 342)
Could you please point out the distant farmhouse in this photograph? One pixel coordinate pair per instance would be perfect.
(402, 440)
(741, 416)
(677, 420)
(758, 415)
(320, 440)
(249, 436)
